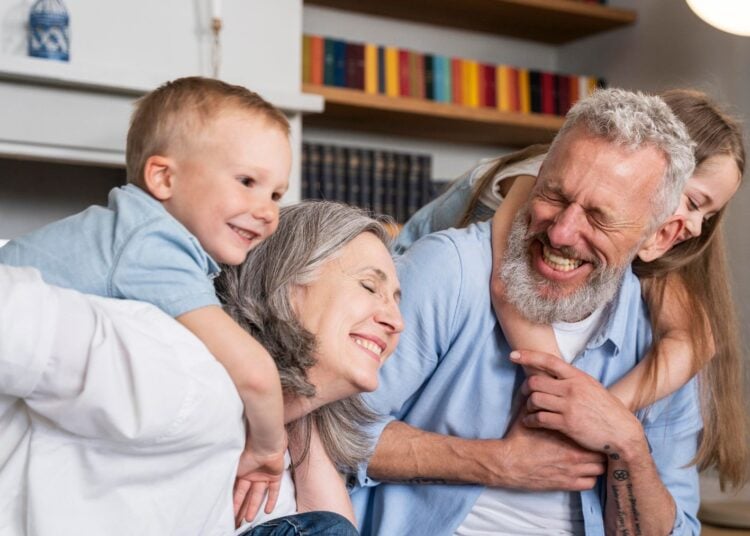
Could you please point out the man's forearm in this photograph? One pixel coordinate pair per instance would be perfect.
(525, 459)
(637, 501)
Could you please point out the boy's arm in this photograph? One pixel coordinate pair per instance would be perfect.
(257, 380)
(520, 332)
(319, 485)
(675, 358)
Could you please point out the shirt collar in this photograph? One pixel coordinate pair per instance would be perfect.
(619, 314)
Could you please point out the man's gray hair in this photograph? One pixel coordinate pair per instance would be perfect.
(635, 120)
(258, 296)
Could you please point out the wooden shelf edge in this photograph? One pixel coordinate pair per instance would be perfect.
(546, 21)
(354, 109)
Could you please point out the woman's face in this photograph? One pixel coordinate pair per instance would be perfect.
(352, 309)
(711, 187)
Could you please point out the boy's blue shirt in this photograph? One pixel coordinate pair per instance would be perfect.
(131, 249)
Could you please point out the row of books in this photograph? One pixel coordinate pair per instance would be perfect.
(398, 72)
(385, 182)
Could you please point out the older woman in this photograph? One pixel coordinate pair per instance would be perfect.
(116, 420)
(321, 294)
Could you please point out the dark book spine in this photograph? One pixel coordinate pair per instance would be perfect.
(401, 187)
(490, 86)
(329, 59)
(305, 165)
(381, 70)
(339, 174)
(425, 179)
(403, 73)
(353, 170)
(389, 184)
(548, 94)
(313, 166)
(365, 179)
(378, 181)
(414, 186)
(327, 173)
(339, 63)
(359, 66)
(429, 77)
(535, 89)
(563, 94)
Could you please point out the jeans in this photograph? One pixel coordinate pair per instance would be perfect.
(307, 524)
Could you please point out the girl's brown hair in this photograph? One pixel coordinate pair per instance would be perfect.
(697, 272)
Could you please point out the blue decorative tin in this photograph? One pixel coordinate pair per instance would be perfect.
(48, 30)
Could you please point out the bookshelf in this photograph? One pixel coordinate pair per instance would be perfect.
(546, 21)
(352, 109)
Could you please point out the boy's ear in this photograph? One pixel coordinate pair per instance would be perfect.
(159, 176)
(662, 240)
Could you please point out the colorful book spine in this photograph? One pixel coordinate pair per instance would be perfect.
(514, 98)
(329, 78)
(563, 94)
(429, 77)
(371, 69)
(306, 59)
(502, 88)
(316, 59)
(339, 63)
(471, 74)
(457, 81)
(404, 89)
(524, 91)
(549, 93)
(392, 72)
(490, 85)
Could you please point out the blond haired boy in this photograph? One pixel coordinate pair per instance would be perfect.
(207, 163)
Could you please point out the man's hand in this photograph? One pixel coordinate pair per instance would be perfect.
(537, 459)
(570, 401)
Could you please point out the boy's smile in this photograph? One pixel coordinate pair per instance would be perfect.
(227, 181)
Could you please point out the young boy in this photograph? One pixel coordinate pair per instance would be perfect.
(207, 164)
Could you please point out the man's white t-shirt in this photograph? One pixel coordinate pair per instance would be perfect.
(511, 512)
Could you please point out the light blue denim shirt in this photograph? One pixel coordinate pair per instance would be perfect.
(450, 374)
(132, 249)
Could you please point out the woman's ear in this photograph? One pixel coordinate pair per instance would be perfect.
(662, 240)
(159, 176)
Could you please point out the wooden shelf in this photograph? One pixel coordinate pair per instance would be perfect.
(546, 21)
(351, 109)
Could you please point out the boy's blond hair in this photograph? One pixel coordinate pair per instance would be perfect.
(176, 112)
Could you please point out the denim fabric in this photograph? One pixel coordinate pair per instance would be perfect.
(307, 524)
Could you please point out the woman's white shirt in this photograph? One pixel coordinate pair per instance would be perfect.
(286, 504)
(115, 419)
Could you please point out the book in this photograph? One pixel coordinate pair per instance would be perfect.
(400, 187)
(429, 77)
(471, 75)
(535, 91)
(355, 66)
(389, 183)
(548, 93)
(339, 174)
(329, 61)
(503, 88)
(306, 59)
(327, 173)
(416, 82)
(378, 181)
(392, 85)
(513, 90)
(365, 179)
(490, 85)
(404, 89)
(371, 68)
(524, 91)
(316, 59)
(414, 197)
(353, 170)
(563, 94)
(339, 63)
(381, 70)
(457, 81)
(313, 172)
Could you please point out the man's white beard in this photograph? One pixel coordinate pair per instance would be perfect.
(524, 288)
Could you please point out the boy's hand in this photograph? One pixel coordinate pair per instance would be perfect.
(256, 476)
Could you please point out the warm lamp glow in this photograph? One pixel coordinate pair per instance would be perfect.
(731, 16)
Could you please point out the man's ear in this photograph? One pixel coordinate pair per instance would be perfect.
(662, 240)
(159, 176)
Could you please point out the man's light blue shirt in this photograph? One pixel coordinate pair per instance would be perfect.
(131, 249)
(450, 374)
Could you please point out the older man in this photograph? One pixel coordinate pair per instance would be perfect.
(604, 195)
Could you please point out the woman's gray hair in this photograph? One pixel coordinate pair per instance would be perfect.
(635, 120)
(258, 295)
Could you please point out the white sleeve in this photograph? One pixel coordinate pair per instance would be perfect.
(102, 368)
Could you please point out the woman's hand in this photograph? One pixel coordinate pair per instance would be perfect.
(256, 477)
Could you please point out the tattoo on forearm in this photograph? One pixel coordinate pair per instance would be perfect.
(612, 455)
(633, 508)
(621, 528)
(620, 474)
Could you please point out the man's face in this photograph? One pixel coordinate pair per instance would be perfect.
(584, 223)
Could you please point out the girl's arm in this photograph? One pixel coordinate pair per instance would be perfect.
(520, 332)
(318, 484)
(673, 360)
